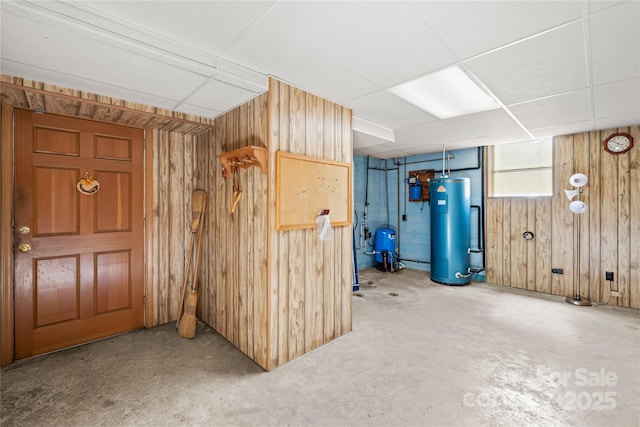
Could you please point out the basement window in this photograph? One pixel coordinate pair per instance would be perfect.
(523, 169)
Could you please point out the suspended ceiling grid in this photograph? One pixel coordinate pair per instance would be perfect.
(555, 67)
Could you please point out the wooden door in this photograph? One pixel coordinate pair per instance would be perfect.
(81, 277)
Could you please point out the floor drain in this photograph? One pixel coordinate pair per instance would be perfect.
(393, 294)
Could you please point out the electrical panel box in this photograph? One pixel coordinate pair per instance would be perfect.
(423, 177)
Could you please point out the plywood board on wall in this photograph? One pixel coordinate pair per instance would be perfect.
(306, 185)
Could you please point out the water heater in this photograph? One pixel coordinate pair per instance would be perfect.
(450, 235)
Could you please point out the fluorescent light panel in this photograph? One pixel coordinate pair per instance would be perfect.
(447, 93)
(373, 129)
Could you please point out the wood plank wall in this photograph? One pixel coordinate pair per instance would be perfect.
(169, 221)
(310, 280)
(169, 176)
(609, 230)
(169, 170)
(33, 95)
(275, 295)
(233, 275)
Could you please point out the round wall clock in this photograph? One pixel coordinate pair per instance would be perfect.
(618, 143)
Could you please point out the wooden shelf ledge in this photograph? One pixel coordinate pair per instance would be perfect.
(243, 158)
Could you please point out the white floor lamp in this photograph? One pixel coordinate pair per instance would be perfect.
(578, 207)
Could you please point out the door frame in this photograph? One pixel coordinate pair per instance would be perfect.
(7, 263)
(6, 233)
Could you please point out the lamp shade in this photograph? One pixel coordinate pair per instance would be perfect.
(578, 180)
(571, 193)
(578, 207)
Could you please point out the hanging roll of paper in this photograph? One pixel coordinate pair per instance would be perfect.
(323, 225)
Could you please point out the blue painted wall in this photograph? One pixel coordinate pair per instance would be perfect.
(413, 235)
(377, 199)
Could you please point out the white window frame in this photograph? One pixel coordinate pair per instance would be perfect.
(491, 171)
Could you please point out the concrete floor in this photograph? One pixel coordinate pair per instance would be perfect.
(420, 354)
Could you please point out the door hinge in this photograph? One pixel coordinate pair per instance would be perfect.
(144, 301)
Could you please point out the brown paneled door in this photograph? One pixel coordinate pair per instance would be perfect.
(79, 257)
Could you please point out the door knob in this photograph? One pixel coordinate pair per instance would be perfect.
(24, 248)
(24, 230)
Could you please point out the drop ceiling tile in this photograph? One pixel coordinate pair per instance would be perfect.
(393, 154)
(506, 138)
(198, 111)
(388, 110)
(362, 140)
(491, 122)
(615, 43)
(403, 141)
(254, 9)
(273, 54)
(372, 144)
(87, 22)
(371, 150)
(449, 146)
(432, 133)
(240, 76)
(416, 151)
(79, 83)
(474, 27)
(386, 42)
(618, 98)
(461, 145)
(597, 5)
(564, 129)
(220, 96)
(210, 26)
(343, 51)
(548, 64)
(64, 52)
(557, 110)
(618, 121)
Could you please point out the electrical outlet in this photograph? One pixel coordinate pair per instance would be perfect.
(557, 271)
(616, 293)
(608, 275)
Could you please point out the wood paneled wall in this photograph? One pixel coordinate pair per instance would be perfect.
(28, 94)
(274, 294)
(171, 168)
(310, 280)
(233, 279)
(609, 230)
(169, 182)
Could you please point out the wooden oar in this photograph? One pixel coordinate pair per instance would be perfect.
(187, 324)
(198, 200)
